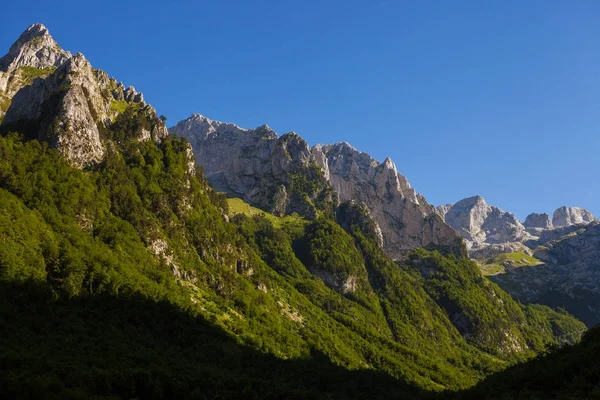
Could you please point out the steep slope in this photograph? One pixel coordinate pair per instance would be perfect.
(487, 229)
(567, 216)
(66, 102)
(567, 373)
(490, 231)
(283, 174)
(35, 54)
(567, 275)
(121, 274)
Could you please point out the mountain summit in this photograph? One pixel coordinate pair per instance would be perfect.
(49, 94)
(34, 48)
(283, 174)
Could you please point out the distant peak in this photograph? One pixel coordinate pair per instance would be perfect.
(264, 127)
(471, 201)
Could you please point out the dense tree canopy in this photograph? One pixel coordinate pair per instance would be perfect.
(129, 280)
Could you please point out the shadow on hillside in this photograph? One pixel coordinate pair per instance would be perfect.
(523, 280)
(570, 372)
(134, 347)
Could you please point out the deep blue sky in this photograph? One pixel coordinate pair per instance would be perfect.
(497, 98)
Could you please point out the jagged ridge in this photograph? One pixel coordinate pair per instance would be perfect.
(259, 166)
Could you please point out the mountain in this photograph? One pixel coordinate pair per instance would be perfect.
(567, 216)
(34, 54)
(490, 231)
(284, 175)
(567, 373)
(125, 274)
(62, 100)
(566, 276)
(544, 260)
(486, 229)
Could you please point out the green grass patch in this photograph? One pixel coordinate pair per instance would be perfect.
(31, 73)
(4, 103)
(119, 106)
(239, 206)
(497, 264)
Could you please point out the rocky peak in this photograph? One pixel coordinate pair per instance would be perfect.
(443, 209)
(34, 48)
(484, 225)
(567, 216)
(535, 220)
(59, 98)
(265, 170)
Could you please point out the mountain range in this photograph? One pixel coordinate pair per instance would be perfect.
(263, 169)
(208, 260)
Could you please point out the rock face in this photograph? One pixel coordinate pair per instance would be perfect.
(569, 274)
(489, 231)
(535, 220)
(567, 216)
(35, 48)
(483, 225)
(275, 173)
(60, 98)
(568, 250)
(406, 220)
(272, 172)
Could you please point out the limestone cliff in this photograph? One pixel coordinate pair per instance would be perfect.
(283, 174)
(483, 225)
(568, 275)
(567, 216)
(490, 231)
(59, 98)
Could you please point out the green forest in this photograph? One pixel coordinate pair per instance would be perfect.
(134, 279)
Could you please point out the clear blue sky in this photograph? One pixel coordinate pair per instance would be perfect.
(497, 98)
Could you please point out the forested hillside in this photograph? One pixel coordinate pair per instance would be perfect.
(126, 279)
(124, 274)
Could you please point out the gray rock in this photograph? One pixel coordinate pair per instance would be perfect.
(535, 220)
(259, 166)
(567, 216)
(68, 104)
(483, 225)
(492, 250)
(406, 220)
(569, 276)
(443, 209)
(34, 48)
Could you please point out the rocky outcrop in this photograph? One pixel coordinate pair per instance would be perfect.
(67, 103)
(35, 49)
(275, 173)
(351, 214)
(492, 250)
(535, 220)
(443, 209)
(283, 175)
(567, 216)
(489, 231)
(406, 220)
(483, 225)
(568, 276)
